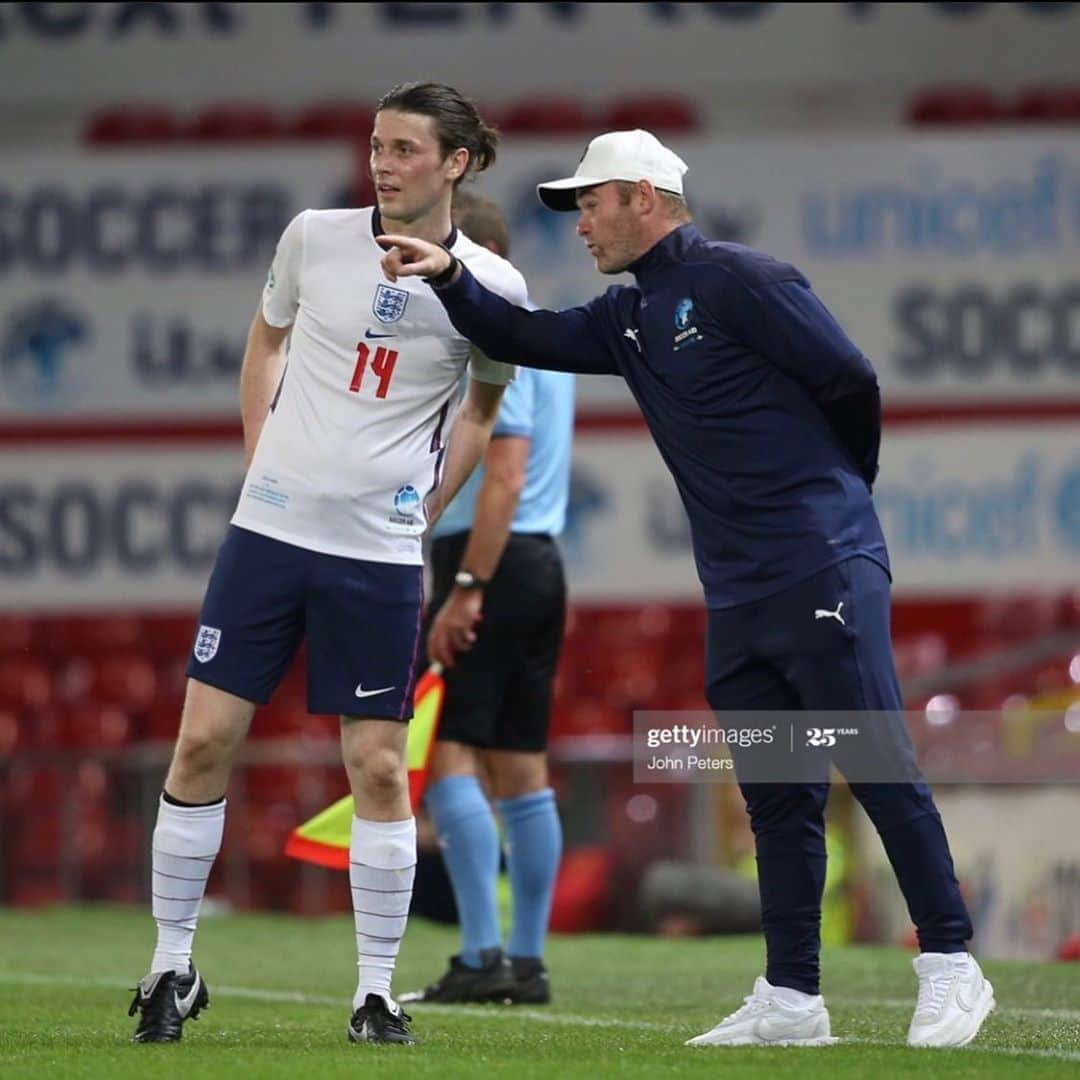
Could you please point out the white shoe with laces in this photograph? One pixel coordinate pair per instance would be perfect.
(772, 1016)
(954, 1000)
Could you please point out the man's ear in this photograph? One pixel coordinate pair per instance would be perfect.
(647, 196)
(457, 163)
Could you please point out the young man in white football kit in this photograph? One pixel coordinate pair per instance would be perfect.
(348, 464)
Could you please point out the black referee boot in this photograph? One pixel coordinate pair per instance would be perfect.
(493, 981)
(531, 985)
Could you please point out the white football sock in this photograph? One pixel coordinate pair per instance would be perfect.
(186, 842)
(382, 865)
(790, 996)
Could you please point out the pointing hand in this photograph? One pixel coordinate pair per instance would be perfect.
(408, 257)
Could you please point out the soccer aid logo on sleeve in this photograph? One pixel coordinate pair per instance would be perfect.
(206, 643)
(389, 304)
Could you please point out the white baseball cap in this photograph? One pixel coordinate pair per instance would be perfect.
(617, 155)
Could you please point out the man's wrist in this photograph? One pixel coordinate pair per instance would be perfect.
(445, 277)
(467, 580)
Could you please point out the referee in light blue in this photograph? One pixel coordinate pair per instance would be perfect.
(496, 624)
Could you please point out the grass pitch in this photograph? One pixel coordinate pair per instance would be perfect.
(281, 987)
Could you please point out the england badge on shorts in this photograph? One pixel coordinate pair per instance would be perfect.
(389, 304)
(206, 643)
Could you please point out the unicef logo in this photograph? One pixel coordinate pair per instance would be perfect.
(35, 353)
(684, 311)
(407, 501)
(1067, 508)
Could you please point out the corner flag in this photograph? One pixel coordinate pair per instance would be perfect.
(324, 839)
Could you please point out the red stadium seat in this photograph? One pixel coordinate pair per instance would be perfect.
(36, 785)
(161, 722)
(35, 845)
(268, 827)
(318, 727)
(133, 124)
(41, 729)
(236, 122)
(582, 899)
(266, 785)
(12, 733)
(632, 677)
(95, 726)
(38, 890)
(919, 654)
(956, 105)
(591, 718)
(92, 635)
(124, 679)
(18, 634)
(172, 677)
(546, 116)
(1048, 105)
(111, 849)
(654, 112)
(645, 821)
(1019, 617)
(25, 683)
(333, 120)
(279, 720)
(169, 636)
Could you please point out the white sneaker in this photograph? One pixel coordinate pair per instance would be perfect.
(766, 1020)
(954, 1000)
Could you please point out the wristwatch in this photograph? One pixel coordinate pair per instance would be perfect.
(443, 278)
(465, 579)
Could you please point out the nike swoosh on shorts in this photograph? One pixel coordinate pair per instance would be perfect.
(361, 692)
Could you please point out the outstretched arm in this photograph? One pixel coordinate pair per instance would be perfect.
(567, 340)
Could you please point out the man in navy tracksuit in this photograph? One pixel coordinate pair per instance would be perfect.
(769, 419)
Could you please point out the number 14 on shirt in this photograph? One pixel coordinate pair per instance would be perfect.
(382, 367)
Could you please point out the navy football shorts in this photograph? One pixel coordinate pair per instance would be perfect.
(361, 620)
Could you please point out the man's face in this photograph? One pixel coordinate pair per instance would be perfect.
(609, 227)
(410, 174)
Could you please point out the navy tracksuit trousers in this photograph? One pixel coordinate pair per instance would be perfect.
(777, 654)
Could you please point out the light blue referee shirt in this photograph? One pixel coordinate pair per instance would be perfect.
(539, 406)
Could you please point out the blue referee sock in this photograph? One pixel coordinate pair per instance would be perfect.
(533, 847)
(470, 848)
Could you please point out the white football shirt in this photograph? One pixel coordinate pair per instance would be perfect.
(354, 440)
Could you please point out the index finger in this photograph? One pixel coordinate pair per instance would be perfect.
(391, 240)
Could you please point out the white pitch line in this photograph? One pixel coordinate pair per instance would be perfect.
(298, 998)
(295, 998)
(1011, 1010)
(554, 1018)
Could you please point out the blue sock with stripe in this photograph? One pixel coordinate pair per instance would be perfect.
(533, 847)
(470, 848)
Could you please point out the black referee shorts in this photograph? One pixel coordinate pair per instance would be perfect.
(498, 694)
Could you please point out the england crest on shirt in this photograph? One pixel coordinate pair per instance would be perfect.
(389, 304)
(206, 643)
